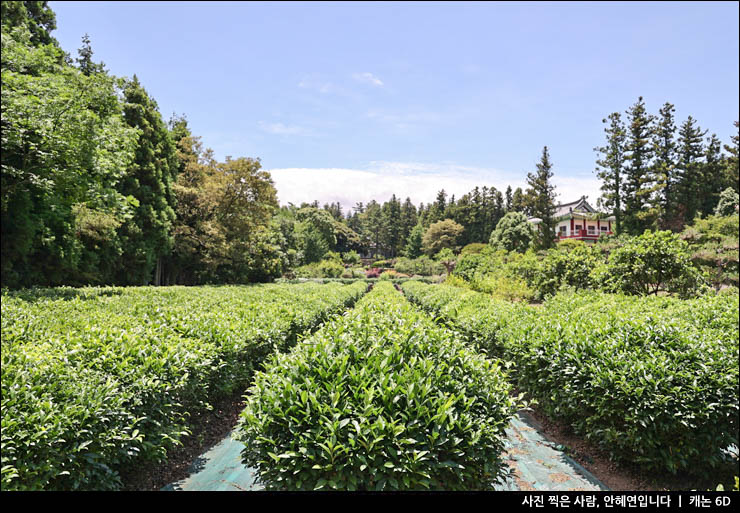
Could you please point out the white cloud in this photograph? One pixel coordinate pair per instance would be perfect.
(368, 78)
(381, 179)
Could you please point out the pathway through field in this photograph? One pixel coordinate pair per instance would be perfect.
(536, 463)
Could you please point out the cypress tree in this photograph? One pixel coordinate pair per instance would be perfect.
(517, 201)
(413, 247)
(391, 233)
(147, 236)
(730, 175)
(610, 167)
(541, 199)
(409, 219)
(711, 176)
(639, 201)
(664, 167)
(690, 151)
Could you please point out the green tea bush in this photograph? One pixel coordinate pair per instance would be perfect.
(652, 380)
(97, 380)
(379, 399)
(651, 263)
(422, 266)
(330, 268)
(503, 286)
(474, 247)
(571, 265)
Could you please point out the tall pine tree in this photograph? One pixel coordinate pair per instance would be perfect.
(690, 152)
(610, 166)
(664, 166)
(541, 199)
(711, 176)
(730, 175)
(640, 212)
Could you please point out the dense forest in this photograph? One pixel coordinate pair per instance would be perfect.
(97, 188)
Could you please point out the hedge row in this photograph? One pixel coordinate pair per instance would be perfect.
(651, 380)
(423, 279)
(380, 398)
(96, 379)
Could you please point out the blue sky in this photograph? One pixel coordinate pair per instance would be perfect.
(353, 101)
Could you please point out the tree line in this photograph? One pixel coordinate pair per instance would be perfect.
(657, 175)
(97, 188)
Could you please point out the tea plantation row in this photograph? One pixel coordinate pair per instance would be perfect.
(652, 380)
(380, 398)
(94, 380)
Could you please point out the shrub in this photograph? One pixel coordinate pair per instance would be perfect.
(330, 268)
(447, 258)
(513, 233)
(351, 258)
(422, 266)
(728, 202)
(99, 380)
(652, 380)
(566, 267)
(383, 263)
(713, 242)
(388, 275)
(653, 262)
(473, 248)
(503, 286)
(380, 398)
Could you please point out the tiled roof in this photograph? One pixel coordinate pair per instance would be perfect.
(580, 205)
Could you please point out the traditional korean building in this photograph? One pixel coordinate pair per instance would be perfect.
(579, 220)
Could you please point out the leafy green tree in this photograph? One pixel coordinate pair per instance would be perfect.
(513, 233)
(541, 200)
(351, 258)
(85, 62)
(409, 219)
(651, 263)
(564, 266)
(320, 220)
(392, 228)
(147, 237)
(414, 242)
(373, 227)
(728, 203)
(312, 242)
(195, 228)
(37, 17)
(440, 235)
(64, 148)
(438, 208)
(347, 238)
